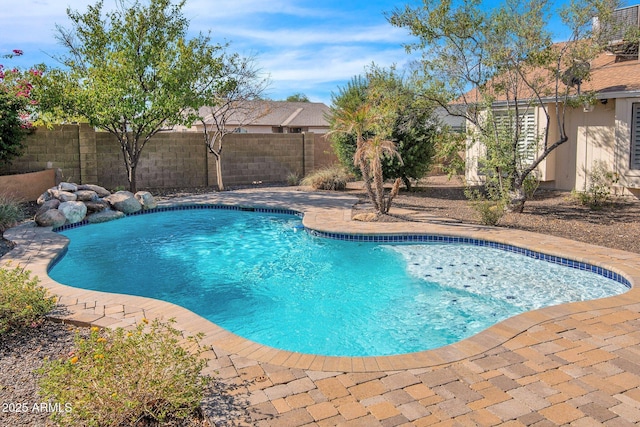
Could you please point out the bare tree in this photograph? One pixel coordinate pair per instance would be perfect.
(234, 102)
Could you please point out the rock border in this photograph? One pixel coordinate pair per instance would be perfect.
(69, 203)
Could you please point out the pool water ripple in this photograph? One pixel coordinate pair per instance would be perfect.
(262, 277)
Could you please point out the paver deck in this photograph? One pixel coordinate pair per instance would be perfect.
(574, 364)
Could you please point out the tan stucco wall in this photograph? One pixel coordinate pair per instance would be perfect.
(600, 135)
(27, 186)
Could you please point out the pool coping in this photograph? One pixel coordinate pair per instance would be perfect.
(37, 247)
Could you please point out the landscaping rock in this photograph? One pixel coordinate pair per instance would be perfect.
(49, 204)
(51, 218)
(104, 216)
(74, 203)
(63, 196)
(101, 191)
(146, 200)
(96, 205)
(87, 195)
(124, 201)
(365, 217)
(67, 186)
(73, 211)
(45, 197)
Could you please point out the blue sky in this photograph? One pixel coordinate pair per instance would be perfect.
(305, 46)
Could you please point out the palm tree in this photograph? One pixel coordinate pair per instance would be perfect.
(369, 156)
(356, 119)
(359, 119)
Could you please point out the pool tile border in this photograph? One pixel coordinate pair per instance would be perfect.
(378, 238)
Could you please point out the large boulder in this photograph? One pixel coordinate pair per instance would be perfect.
(124, 201)
(86, 195)
(73, 211)
(104, 216)
(96, 205)
(49, 204)
(67, 186)
(101, 191)
(146, 200)
(63, 196)
(51, 218)
(44, 197)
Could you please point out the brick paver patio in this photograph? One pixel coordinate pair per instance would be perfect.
(574, 364)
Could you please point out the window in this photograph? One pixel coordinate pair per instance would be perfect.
(635, 136)
(528, 140)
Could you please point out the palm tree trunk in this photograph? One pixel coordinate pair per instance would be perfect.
(364, 169)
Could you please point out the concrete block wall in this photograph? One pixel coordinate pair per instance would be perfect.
(45, 148)
(171, 159)
(323, 154)
(261, 157)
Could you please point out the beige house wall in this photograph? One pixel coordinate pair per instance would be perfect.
(598, 136)
(171, 159)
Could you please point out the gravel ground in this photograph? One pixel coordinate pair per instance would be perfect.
(550, 212)
(557, 213)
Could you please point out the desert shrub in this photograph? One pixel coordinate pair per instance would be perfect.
(489, 209)
(530, 185)
(119, 377)
(11, 212)
(23, 303)
(328, 178)
(598, 190)
(293, 178)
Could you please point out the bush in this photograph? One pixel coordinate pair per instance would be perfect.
(23, 303)
(490, 209)
(118, 377)
(11, 212)
(329, 178)
(293, 178)
(596, 194)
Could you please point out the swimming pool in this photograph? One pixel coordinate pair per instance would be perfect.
(262, 277)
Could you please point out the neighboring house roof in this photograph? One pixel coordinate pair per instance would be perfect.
(275, 114)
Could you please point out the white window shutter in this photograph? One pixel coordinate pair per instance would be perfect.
(635, 137)
(527, 142)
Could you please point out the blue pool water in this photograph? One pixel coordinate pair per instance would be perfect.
(261, 276)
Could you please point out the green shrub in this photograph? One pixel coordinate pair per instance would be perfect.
(11, 212)
(490, 209)
(596, 194)
(328, 178)
(293, 178)
(119, 377)
(530, 185)
(23, 303)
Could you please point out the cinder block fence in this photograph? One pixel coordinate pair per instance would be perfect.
(171, 159)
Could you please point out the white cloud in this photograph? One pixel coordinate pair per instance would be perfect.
(304, 49)
(289, 37)
(207, 10)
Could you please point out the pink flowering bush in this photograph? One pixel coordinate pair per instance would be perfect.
(16, 107)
